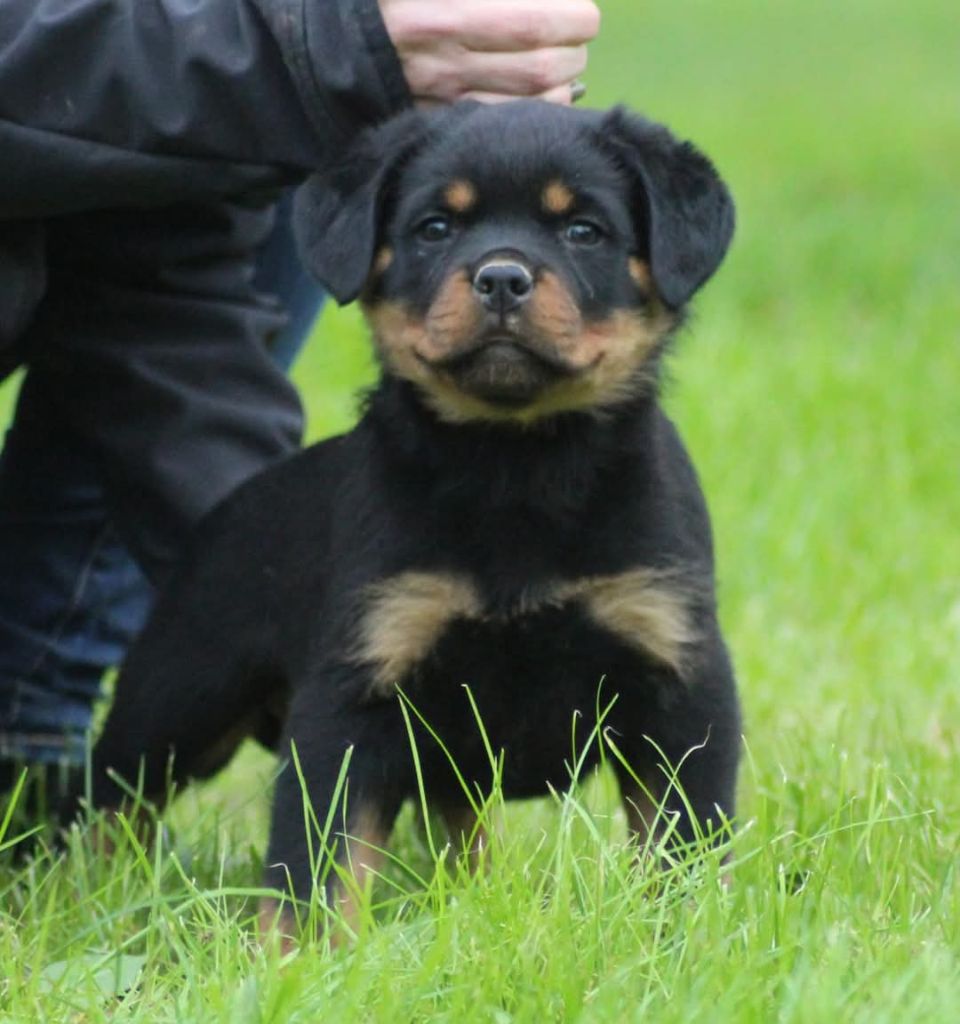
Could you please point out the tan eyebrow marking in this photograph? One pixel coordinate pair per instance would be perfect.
(644, 607)
(460, 195)
(557, 197)
(404, 616)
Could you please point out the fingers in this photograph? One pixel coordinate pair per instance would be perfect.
(490, 49)
(450, 75)
(491, 25)
(562, 94)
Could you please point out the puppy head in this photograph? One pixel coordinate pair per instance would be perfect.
(520, 260)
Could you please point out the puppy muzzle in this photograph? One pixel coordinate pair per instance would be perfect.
(503, 360)
(504, 370)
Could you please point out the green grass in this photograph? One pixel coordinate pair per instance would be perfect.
(817, 389)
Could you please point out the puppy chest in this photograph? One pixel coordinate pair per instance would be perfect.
(548, 649)
(408, 618)
(530, 688)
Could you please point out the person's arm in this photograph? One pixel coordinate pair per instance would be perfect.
(143, 102)
(107, 103)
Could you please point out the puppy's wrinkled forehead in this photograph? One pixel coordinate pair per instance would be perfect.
(653, 194)
(528, 165)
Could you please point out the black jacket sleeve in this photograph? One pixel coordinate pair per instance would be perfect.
(107, 103)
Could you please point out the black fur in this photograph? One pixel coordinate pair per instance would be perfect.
(258, 632)
(684, 211)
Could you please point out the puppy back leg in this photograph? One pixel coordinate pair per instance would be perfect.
(193, 686)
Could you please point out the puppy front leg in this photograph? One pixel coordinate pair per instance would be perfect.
(681, 797)
(333, 817)
(687, 769)
(641, 803)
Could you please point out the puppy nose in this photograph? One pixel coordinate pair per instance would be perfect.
(503, 287)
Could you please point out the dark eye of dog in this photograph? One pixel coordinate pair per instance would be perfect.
(434, 229)
(583, 232)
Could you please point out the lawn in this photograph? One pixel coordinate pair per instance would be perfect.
(817, 387)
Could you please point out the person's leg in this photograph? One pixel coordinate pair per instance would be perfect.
(72, 597)
(280, 272)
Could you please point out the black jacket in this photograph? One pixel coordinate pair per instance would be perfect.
(141, 145)
(134, 103)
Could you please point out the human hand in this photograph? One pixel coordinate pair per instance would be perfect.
(491, 49)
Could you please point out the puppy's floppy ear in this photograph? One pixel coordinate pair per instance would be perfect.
(688, 213)
(337, 212)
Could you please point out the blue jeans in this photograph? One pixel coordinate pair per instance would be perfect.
(72, 598)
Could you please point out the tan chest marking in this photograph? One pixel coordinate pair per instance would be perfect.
(648, 609)
(404, 617)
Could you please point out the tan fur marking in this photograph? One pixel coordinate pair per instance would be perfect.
(359, 857)
(407, 346)
(362, 855)
(404, 616)
(460, 195)
(382, 261)
(556, 197)
(554, 317)
(639, 270)
(277, 921)
(609, 357)
(405, 341)
(453, 319)
(622, 346)
(643, 608)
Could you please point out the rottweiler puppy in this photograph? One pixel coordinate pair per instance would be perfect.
(512, 532)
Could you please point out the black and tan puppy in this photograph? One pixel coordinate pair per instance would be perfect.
(513, 512)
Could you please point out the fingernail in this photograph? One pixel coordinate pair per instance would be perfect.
(577, 90)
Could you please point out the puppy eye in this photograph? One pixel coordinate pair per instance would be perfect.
(582, 232)
(434, 229)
